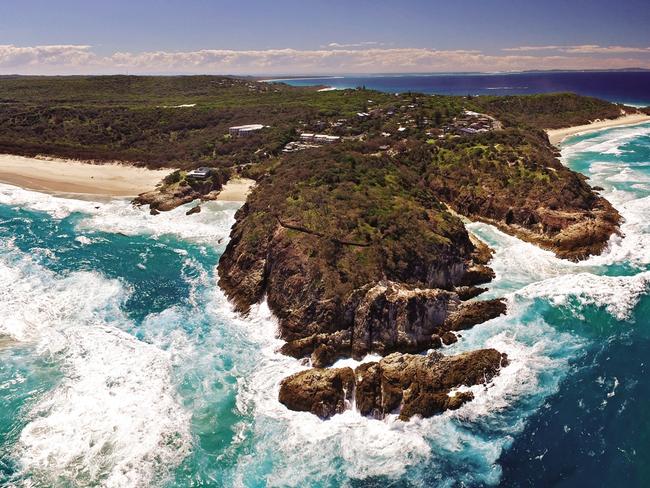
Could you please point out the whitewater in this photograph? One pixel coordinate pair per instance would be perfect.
(123, 364)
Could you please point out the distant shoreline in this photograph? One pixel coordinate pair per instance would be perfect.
(556, 136)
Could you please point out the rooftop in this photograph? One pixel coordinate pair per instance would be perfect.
(248, 127)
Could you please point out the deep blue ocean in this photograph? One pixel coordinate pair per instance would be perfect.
(628, 87)
(122, 364)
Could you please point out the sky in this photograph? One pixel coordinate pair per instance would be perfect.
(285, 37)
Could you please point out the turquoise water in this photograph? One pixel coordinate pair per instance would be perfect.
(122, 364)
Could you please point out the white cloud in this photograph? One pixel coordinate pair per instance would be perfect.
(531, 48)
(74, 59)
(593, 49)
(57, 55)
(582, 49)
(336, 45)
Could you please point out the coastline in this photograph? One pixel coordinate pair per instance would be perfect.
(76, 179)
(66, 177)
(556, 136)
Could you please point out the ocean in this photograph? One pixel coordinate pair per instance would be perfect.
(630, 87)
(122, 363)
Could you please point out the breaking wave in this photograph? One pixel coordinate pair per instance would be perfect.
(114, 418)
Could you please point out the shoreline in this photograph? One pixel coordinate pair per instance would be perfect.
(74, 178)
(88, 181)
(557, 136)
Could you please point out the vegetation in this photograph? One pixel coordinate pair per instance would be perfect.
(361, 216)
(548, 111)
(183, 121)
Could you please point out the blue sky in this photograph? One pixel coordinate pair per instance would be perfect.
(287, 36)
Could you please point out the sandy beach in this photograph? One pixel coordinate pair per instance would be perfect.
(76, 178)
(236, 190)
(556, 136)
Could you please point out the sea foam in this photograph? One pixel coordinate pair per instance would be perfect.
(118, 216)
(113, 419)
(306, 449)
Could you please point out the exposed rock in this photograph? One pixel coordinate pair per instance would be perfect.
(324, 349)
(400, 383)
(391, 318)
(164, 200)
(323, 392)
(448, 338)
(469, 292)
(170, 195)
(420, 385)
(193, 210)
(477, 275)
(470, 314)
(482, 252)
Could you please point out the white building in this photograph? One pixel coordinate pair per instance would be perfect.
(243, 130)
(307, 136)
(319, 138)
(325, 139)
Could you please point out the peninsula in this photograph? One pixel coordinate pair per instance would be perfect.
(354, 232)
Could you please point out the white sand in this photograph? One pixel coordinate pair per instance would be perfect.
(556, 136)
(236, 190)
(76, 178)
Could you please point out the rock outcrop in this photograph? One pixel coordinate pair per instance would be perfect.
(406, 384)
(323, 392)
(176, 190)
(194, 210)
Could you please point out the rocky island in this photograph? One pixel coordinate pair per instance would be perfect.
(355, 233)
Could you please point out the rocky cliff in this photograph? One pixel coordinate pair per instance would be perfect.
(352, 269)
(514, 180)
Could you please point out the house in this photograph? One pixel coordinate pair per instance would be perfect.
(244, 130)
(325, 139)
(307, 136)
(318, 138)
(200, 173)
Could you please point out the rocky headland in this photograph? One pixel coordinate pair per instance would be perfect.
(360, 254)
(518, 184)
